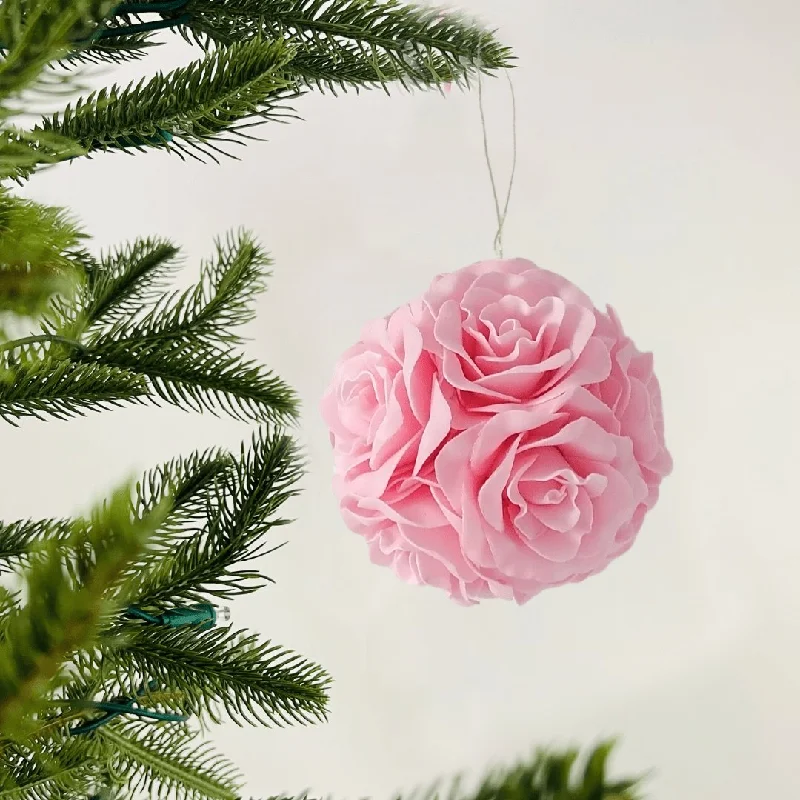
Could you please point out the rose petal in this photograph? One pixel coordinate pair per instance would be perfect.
(437, 428)
(490, 495)
(442, 545)
(559, 546)
(451, 465)
(506, 424)
(453, 373)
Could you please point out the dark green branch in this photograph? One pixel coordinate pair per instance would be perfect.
(15, 343)
(240, 515)
(254, 682)
(195, 105)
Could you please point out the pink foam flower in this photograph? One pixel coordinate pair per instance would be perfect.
(498, 436)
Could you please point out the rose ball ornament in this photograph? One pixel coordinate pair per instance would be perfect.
(498, 436)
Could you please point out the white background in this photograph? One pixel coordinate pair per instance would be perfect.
(659, 169)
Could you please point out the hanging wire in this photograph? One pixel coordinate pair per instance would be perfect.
(501, 215)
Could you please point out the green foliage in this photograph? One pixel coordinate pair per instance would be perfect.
(549, 775)
(22, 152)
(350, 42)
(16, 539)
(259, 55)
(241, 500)
(106, 347)
(35, 33)
(206, 378)
(209, 311)
(114, 51)
(37, 245)
(205, 672)
(190, 481)
(223, 670)
(64, 772)
(190, 107)
(345, 43)
(60, 388)
(67, 597)
(125, 280)
(220, 513)
(170, 762)
(553, 776)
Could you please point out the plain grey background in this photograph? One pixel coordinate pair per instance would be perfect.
(658, 169)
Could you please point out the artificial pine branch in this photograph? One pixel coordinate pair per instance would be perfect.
(210, 670)
(186, 483)
(17, 538)
(106, 348)
(65, 772)
(115, 287)
(347, 43)
(61, 389)
(190, 482)
(208, 312)
(550, 774)
(112, 51)
(423, 45)
(257, 683)
(241, 513)
(36, 247)
(9, 602)
(182, 344)
(125, 279)
(23, 152)
(251, 72)
(169, 761)
(67, 599)
(349, 66)
(190, 107)
(34, 34)
(207, 378)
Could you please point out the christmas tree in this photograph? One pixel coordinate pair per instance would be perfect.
(112, 655)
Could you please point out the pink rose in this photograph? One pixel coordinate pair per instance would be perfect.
(498, 436)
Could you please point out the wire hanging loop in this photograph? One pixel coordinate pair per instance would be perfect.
(501, 215)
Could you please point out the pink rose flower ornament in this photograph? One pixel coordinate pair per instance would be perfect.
(498, 436)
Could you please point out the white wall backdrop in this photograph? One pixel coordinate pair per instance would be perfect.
(659, 168)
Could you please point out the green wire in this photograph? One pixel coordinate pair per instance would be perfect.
(136, 9)
(142, 27)
(202, 614)
(149, 8)
(136, 613)
(124, 705)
